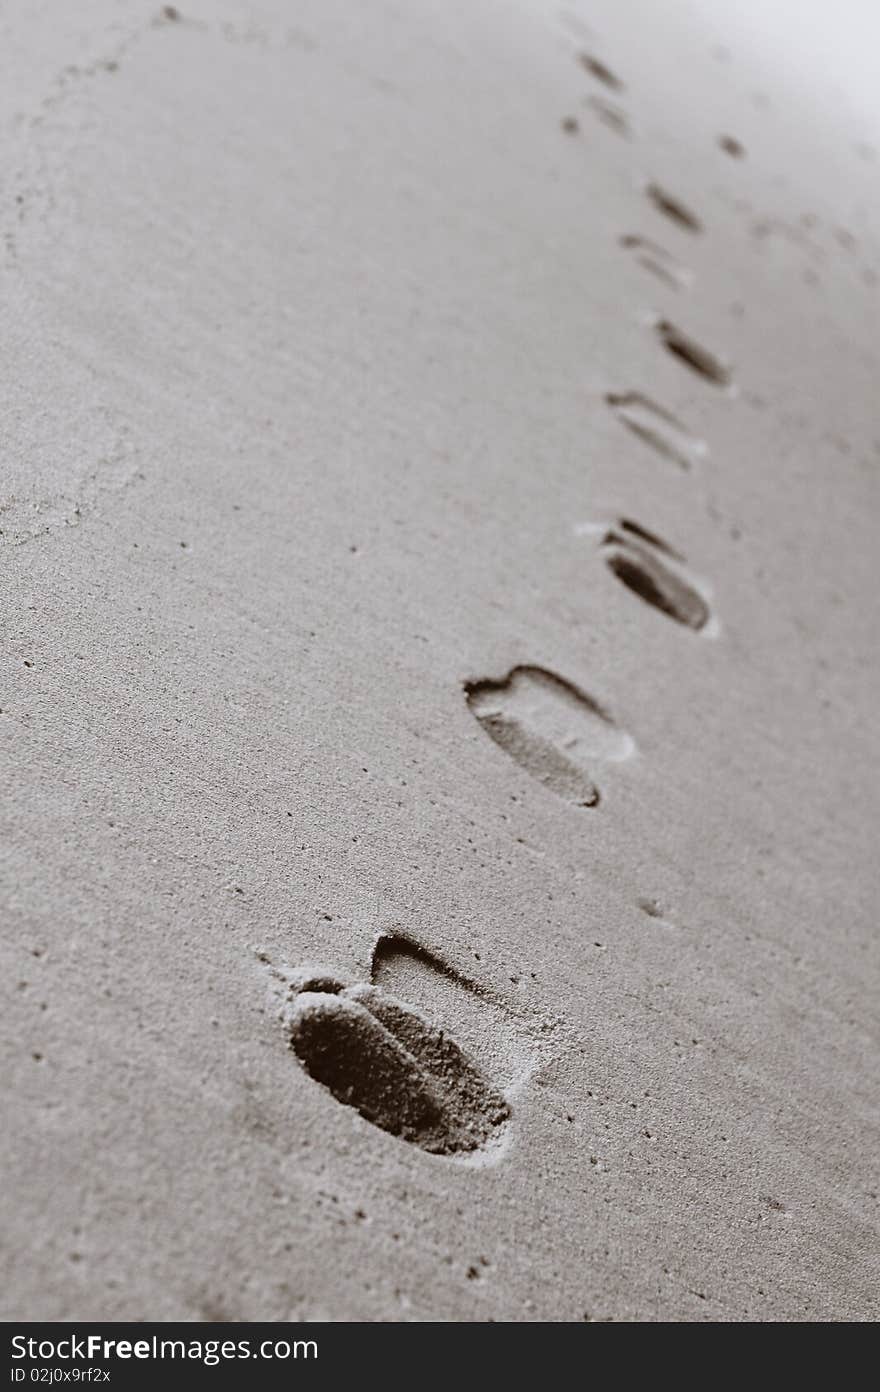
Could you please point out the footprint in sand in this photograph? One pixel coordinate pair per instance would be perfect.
(601, 71)
(672, 208)
(611, 115)
(731, 146)
(654, 258)
(390, 1063)
(654, 571)
(552, 729)
(657, 427)
(692, 354)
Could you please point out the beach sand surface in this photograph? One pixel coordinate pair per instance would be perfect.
(439, 534)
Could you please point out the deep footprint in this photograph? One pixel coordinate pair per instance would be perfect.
(630, 553)
(554, 731)
(657, 427)
(692, 354)
(400, 1072)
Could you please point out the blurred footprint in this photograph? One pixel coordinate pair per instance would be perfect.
(655, 259)
(596, 68)
(657, 427)
(611, 115)
(673, 208)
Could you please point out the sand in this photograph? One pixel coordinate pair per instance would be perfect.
(418, 419)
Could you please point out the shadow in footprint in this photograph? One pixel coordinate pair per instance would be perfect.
(486, 1025)
(631, 553)
(657, 427)
(394, 1067)
(552, 729)
(634, 529)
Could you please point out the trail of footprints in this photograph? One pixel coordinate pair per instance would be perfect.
(391, 1060)
(656, 426)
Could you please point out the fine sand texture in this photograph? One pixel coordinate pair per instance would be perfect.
(438, 522)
